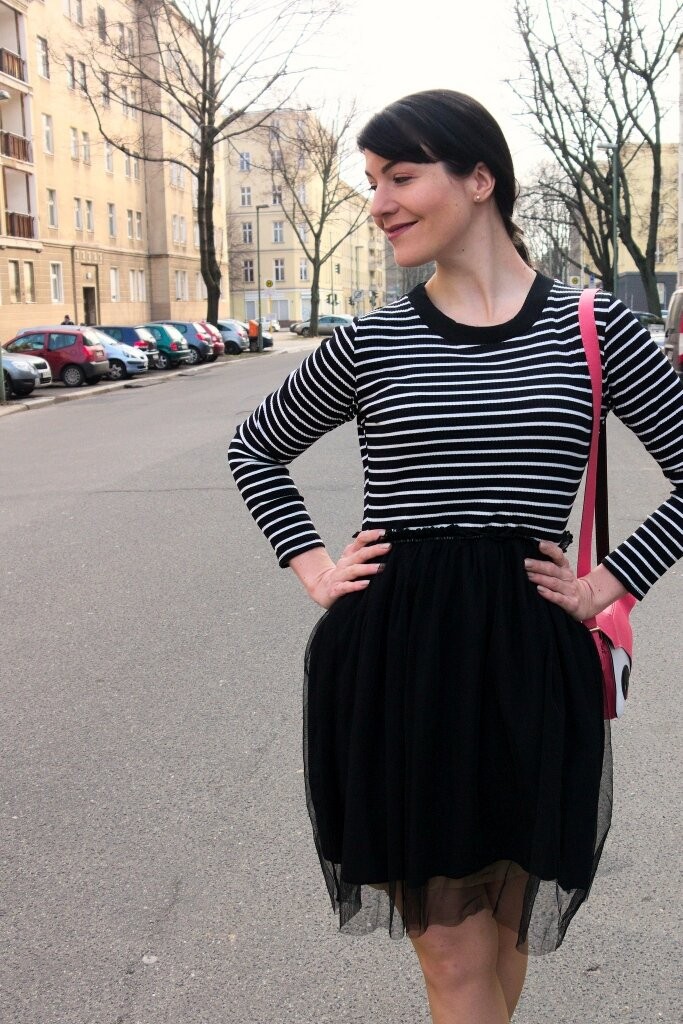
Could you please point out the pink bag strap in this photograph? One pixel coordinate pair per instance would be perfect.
(591, 344)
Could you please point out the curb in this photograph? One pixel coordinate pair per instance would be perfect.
(142, 382)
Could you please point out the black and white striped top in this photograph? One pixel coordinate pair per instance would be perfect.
(470, 426)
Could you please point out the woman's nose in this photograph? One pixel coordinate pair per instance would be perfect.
(382, 203)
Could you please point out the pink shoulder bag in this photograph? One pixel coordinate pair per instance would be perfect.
(611, 629)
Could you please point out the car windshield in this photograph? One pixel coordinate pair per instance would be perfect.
(143, 334)
(173, 332)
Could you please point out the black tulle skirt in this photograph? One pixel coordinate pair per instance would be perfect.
(456, 757)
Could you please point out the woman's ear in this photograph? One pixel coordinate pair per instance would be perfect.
(483, 183)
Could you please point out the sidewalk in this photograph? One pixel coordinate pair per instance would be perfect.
(43, 397)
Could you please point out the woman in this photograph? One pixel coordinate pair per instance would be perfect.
(458, 769)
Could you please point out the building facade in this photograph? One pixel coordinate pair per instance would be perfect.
(266, 249)
(86, 229)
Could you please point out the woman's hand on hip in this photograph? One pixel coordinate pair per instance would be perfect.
(556, 581)
(326, 580)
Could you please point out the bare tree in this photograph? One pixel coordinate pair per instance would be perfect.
(307, 158)
(548, 221)
(592, 76)
(198, 66)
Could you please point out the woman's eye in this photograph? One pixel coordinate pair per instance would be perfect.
(373, 188)
(401, 179)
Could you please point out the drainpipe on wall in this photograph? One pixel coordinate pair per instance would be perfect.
(73, 283)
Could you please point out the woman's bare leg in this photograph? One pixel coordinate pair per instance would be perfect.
(460, 963)
(510, 967)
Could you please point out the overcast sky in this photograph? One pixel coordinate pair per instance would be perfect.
(382, 49)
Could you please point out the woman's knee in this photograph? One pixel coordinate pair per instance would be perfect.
(453, 956)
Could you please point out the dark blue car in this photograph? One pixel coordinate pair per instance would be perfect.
(138, 337)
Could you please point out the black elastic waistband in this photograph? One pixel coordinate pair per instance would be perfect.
(420, 533)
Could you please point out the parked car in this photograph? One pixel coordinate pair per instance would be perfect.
(124, 360)
(74, 354)
(23, 373)
(235, 336)
(200, 346)
(216, 340)
(326, 324)
(138, 337)
(267, 338)
(173, 348)
(673, 329)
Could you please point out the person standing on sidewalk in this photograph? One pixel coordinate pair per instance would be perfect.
(253, 332)
(458, 769)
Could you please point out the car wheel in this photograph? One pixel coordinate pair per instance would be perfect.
(163, 361)
(72, 376)
(7, 380)
(212, 358)
(93, 380)
(193, 356)
(304, 333)
(117, 370)
(233, 348)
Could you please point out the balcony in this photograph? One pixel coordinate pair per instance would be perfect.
(20, 225)
(15, 146)
(12, 64)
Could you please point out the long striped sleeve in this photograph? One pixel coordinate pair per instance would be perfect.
(316, 397)
(647, 395)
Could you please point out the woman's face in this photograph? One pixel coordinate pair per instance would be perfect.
(425, 212)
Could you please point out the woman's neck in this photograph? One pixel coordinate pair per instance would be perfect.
(482, 290)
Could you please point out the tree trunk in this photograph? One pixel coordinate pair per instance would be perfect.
(315, 291)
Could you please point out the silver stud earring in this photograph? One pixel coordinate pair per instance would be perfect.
(477, 199)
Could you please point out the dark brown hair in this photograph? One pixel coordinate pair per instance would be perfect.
(442, 125)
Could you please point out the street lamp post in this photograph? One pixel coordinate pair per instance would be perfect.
(260, 206)
(613, 148)
(4, 97)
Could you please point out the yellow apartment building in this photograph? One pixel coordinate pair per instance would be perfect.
(260, 238)
(85, 229)
(638, 166)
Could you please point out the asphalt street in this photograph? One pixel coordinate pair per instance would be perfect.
(156, 862)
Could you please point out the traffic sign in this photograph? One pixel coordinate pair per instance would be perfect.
(269, 284)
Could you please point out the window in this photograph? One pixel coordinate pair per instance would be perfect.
(130, 42)
(108, 157)
(279, 267)
(278, 231)
(126, 165)
(247, 233)
(14, 281)
(56, 283)
(137, 285)
(106, 92)
(29, 283)
(181, 291)
(52, 215)
(78, 214)
(89, 217)
(248, 271)
(43, 57)
(48, 134)
(217, 191)
(301, 192)
(102, 24)
(303, 231)
(129, 222)
(73, 143)
(200, 291)
(245, 196)
(183, 231)
(303, 269)
(245, 161)
(132, 285)
(70, 72)
(142, 286)
(85, 143)
(277, 195)
(138, 224)
(122, 35)
(195, 234)
(124, 100)
(114, 284)
(111, 219)
(136, 168)
(177, 174)
(77, 11)
(276, 161)
(174, 227)
(82, 81)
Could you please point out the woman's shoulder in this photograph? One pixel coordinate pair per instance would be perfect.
(401, 311)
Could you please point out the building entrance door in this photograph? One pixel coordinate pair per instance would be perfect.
(90, 305)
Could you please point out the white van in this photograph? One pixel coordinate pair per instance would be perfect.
(673, 346)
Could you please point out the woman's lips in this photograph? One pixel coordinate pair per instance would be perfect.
(398, 229)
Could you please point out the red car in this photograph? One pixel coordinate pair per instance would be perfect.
(74, 354)
(216, 340)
